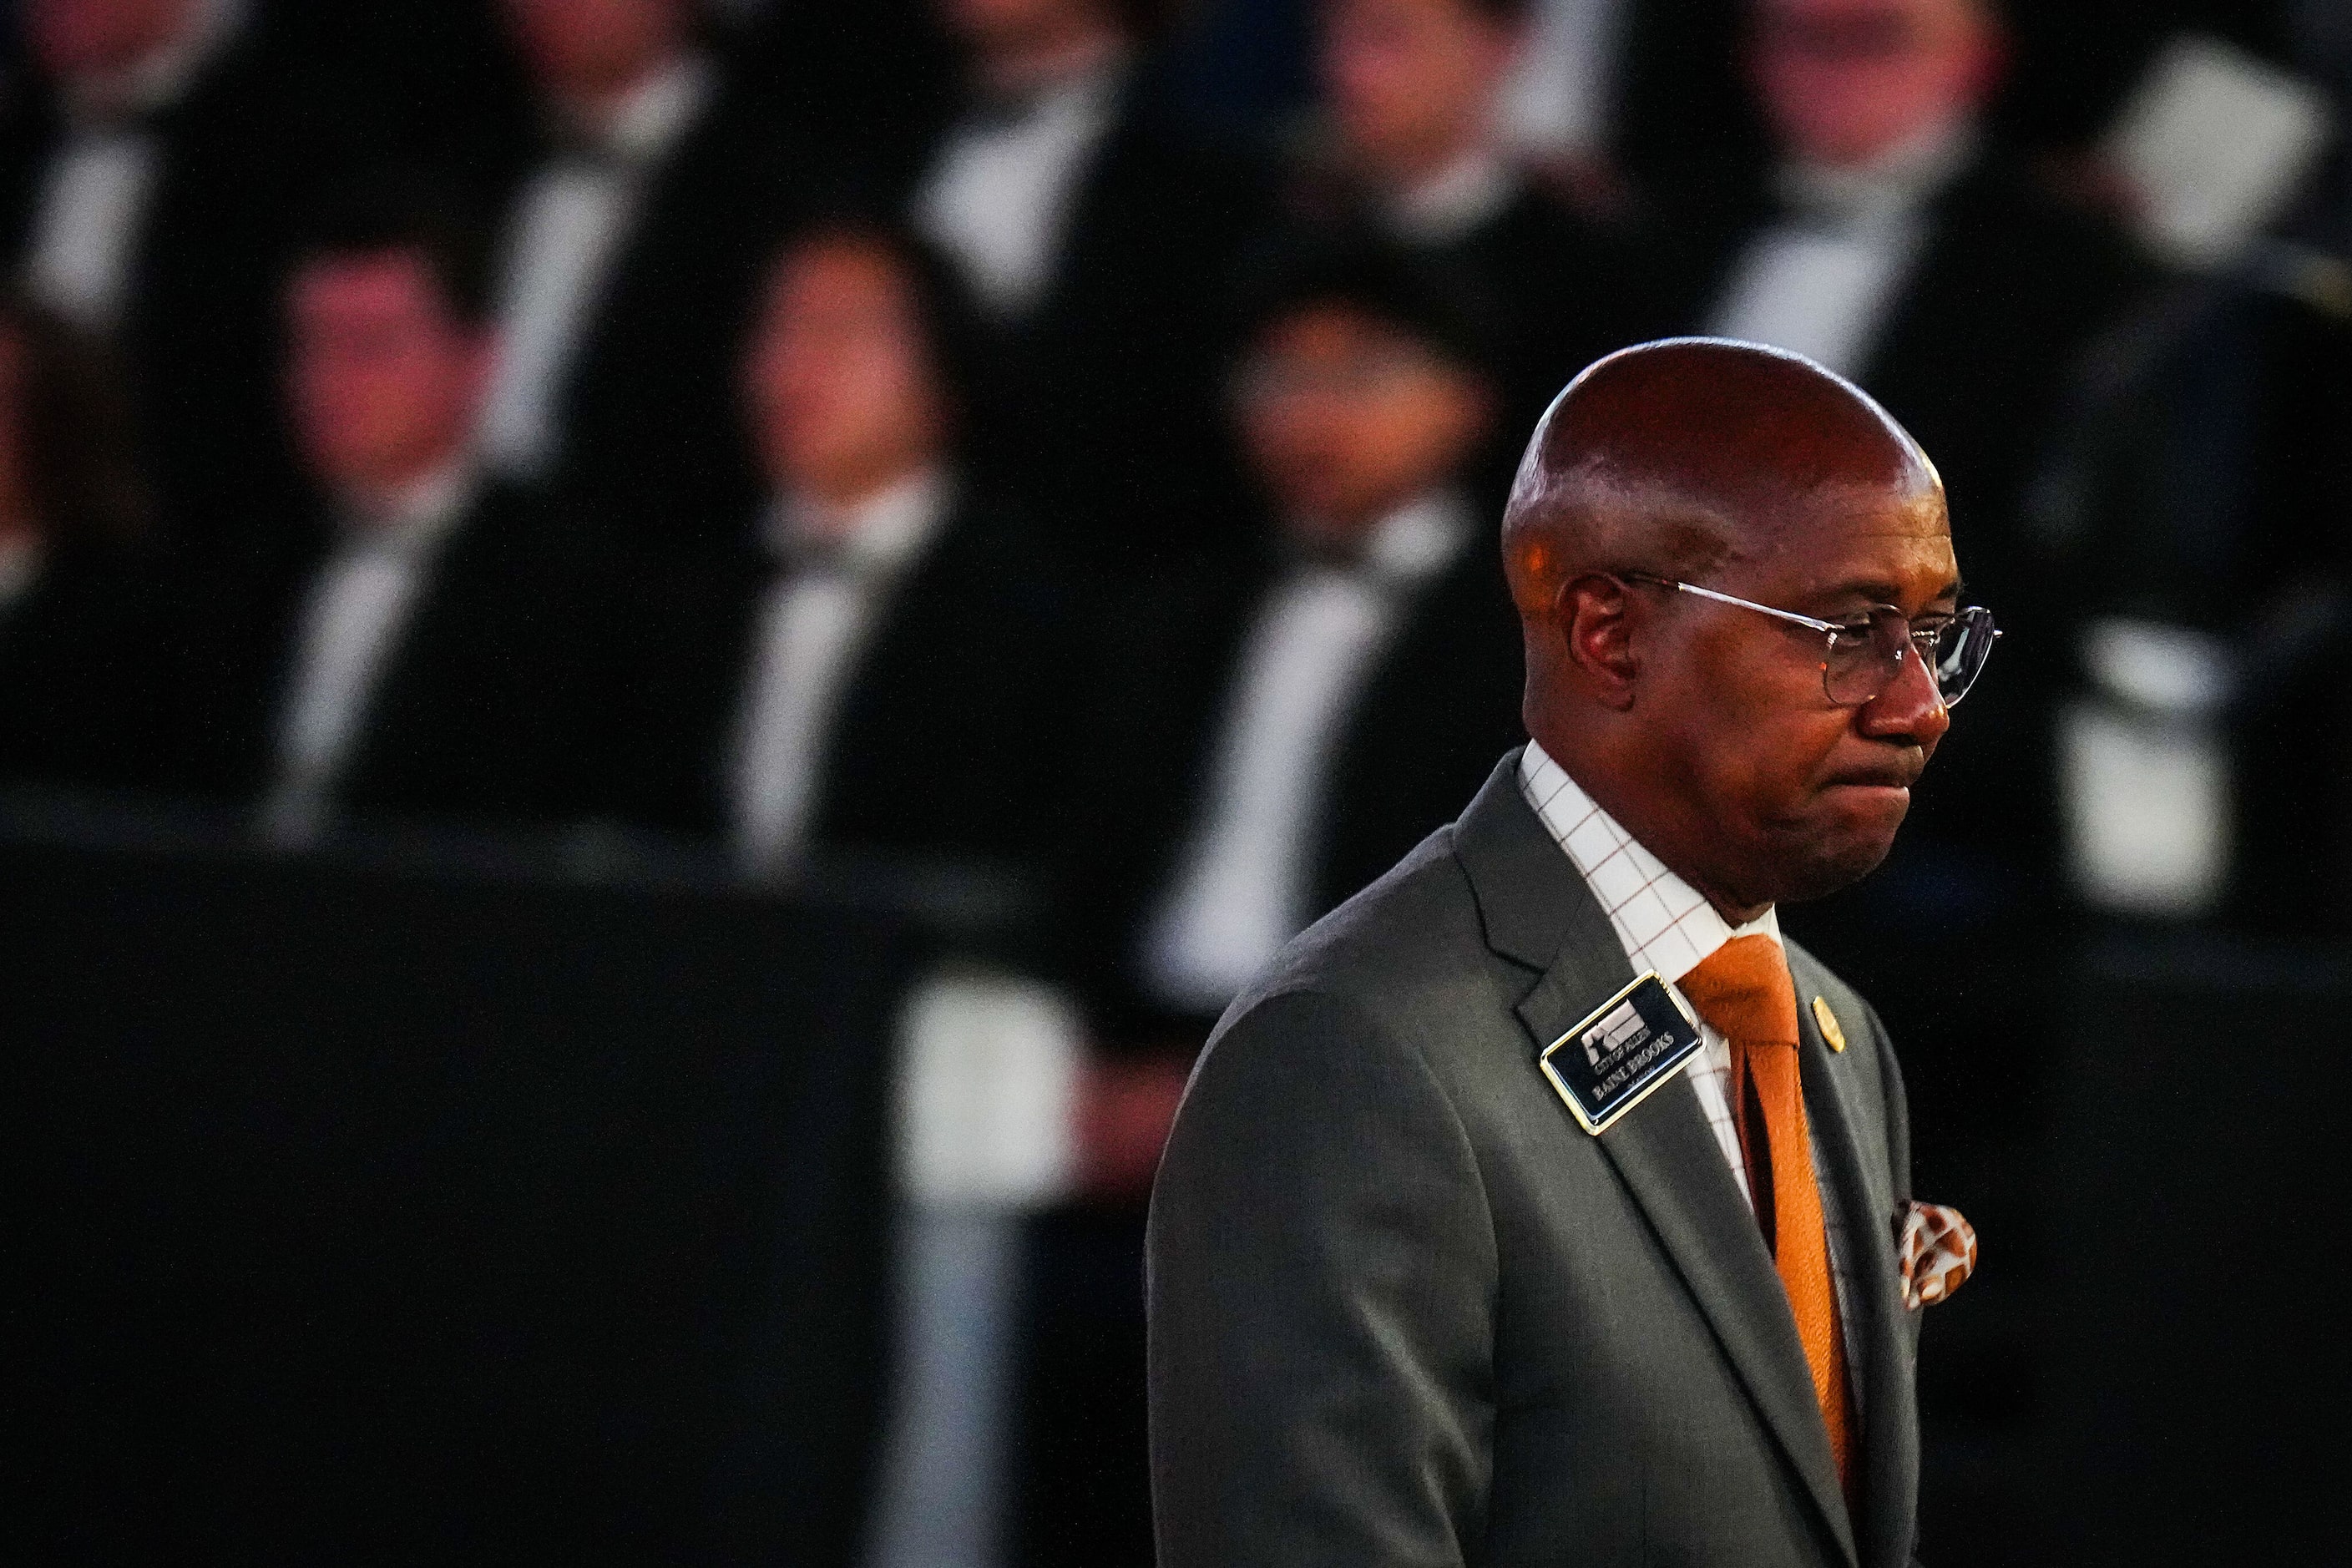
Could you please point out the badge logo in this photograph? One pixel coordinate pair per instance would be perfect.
(1828, 1021)
(1617, 1057)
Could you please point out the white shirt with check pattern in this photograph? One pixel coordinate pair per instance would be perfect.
(1666, 925)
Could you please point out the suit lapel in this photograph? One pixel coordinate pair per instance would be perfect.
(1539, 913)
(1839, 1105)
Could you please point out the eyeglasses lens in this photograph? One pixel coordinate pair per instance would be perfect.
(1863, 663)
(1962, 645)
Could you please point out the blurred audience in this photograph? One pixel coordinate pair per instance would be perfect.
(1898, 242)
(77, 592)
(632, 246)
(879, 657)
(1117, 510)
(2205, 494)
(1642, 90)
(1413, 143)
(1290, 730)
(1276, 731)
(1097, 232)
(390, 655)
(1899, 239)
(145, 176)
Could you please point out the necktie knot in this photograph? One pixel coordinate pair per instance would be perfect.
(1745, 993)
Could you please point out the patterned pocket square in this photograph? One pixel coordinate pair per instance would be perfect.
(1936, 1249)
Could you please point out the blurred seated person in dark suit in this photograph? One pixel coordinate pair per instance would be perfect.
(1289, 731)
(1412, 143)
(386, 659)
(2207, 756)
(1096, 231)
(879, 660)
(630, 247)
(78, 597)
(1898, 243)
(145, 172)
(870, 81)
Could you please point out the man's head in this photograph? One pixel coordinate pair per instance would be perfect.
(1412, 84)
(849, 379)
(1363, 386)
(587, 53)
(1705, 728)
(389, 345)
(83, 38)
(1845, 81)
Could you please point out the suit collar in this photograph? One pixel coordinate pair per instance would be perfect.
(1528, 893)
(1538, 913)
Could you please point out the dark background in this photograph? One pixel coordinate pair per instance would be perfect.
(441, 1196)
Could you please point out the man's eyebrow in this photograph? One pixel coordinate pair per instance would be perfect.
(1878, 591)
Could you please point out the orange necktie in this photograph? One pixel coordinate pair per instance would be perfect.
(1744, 991)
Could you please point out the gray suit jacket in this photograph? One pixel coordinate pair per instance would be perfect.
(1404, 1311)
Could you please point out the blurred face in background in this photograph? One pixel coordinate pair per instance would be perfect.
(589, 52)
(1845, 81)
(384, 377)
(1411, 84)
(842, 391)
(100, 38)
(1346, 417)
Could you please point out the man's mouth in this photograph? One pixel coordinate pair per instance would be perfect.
(1896, 777)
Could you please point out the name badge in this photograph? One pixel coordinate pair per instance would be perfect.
(1625, 1052)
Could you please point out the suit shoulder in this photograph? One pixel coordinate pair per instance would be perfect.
(1405, 952)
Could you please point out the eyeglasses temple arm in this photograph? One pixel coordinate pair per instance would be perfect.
(1789, 615)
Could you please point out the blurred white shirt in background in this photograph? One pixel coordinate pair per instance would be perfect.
(357, 604)
(1470, 192)
(1243, 884)
(811, 626)
(98, 185)
(999, 195)
(1824, 280)
(569, 227)
(1561, 98)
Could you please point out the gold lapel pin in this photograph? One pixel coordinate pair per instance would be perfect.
(1828, 1021)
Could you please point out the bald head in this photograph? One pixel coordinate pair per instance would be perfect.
(1672, 458)
(1706, 730)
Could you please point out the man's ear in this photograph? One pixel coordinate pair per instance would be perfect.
(1595, 619)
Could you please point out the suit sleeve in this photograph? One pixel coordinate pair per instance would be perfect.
(1322, 1285)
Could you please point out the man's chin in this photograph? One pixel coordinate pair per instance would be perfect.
(1831, 864)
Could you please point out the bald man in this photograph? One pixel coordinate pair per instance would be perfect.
(1541, 1204)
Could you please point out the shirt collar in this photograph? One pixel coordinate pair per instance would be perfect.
(652, 117)
(417, 516)
(1662, 920)
(879, 536)
(164, 77)
(1083, 95)
(1416, 540)
(1447, 205)
(1897, 182)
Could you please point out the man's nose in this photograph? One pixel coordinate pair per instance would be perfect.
(1911, 708)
